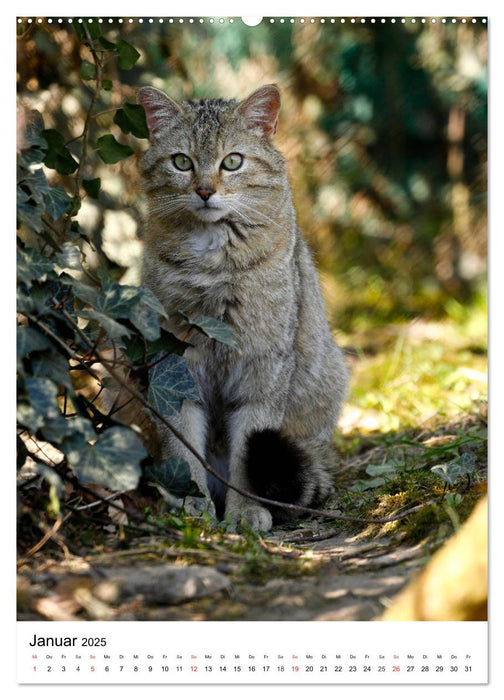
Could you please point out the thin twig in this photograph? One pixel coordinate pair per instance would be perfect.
(85, 131)
(49, 534)
(71, 354)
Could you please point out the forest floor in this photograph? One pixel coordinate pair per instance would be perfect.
(413, 435)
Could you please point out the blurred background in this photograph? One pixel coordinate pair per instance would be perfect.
(384, 127)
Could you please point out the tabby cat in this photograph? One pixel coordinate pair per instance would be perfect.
(221, 240)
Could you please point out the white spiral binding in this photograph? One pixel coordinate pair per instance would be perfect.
(271, 20)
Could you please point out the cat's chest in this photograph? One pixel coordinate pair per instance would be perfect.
(197, 282)
(207, 242)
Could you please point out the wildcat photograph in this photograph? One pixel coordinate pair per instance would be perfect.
(221, 240)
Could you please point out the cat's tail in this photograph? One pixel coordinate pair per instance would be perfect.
(287, 470)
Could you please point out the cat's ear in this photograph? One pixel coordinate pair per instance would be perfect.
(261, 109)
(159, 108)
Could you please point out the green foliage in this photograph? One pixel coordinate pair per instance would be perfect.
(131, 118)
(213, 328)
(111, 151)
(451, 472)
(173, 476)
(57, 155)
(170, 383)
(81, 332)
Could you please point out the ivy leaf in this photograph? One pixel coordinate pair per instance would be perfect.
(151, 300)
(117, 300)
(389, 468)
(56, 202)
(361, 485)
(113, 461)
(127, 55)
(106, 44)
(174, 475)
(88, 70)
(111, 151)
(213, 328)
(28, 417)
(54, 366)
(69, 257)
(112, 328)
(146, 320)
(452, 471)
(83, 27)
(57, 154)
(131, 119)
(28, 211)
(30, 340)
(31, 266)
(170, 382)
(43, 395)
(139, 350)
(92, 187)
(468, 462)
(107, 84)
(144, 315)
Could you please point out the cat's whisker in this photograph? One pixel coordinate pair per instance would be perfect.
(258, 215)
(241, 214)
(169, 204)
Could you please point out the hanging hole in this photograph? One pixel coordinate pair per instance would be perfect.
(251, 21)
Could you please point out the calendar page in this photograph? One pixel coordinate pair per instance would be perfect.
(251, 349)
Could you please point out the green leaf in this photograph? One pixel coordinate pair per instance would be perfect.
(112, 328)
(88, 70)
(29, 213)
(139, 350)
(69, 257)
(213, 328)
(361, 485)
(56, 202)
(43, 394)
(131, 119)
(28, 417)
(113, 461)
(31, 266)
(389, 468)
(30, 340)
(468, 462)
(111, 151)
(83, 28)
(146, 320)
(118, 299)
(107, 84)
(92, 187)
(57, 155)
(174, 475)
(127, 55)
(452, 471)
(107, 44)
(151, 300)
(84, 292)
(170, 382)
(54, 366)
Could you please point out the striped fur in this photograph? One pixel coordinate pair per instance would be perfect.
(238, 256)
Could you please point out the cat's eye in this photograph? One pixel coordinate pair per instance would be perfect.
(232, 162)
(182, 162)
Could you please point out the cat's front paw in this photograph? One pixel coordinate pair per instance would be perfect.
(251, 515)
(195, 507)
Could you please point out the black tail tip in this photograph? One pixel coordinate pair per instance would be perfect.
(275, 466)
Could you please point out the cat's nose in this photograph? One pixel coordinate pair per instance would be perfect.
(205, 192)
